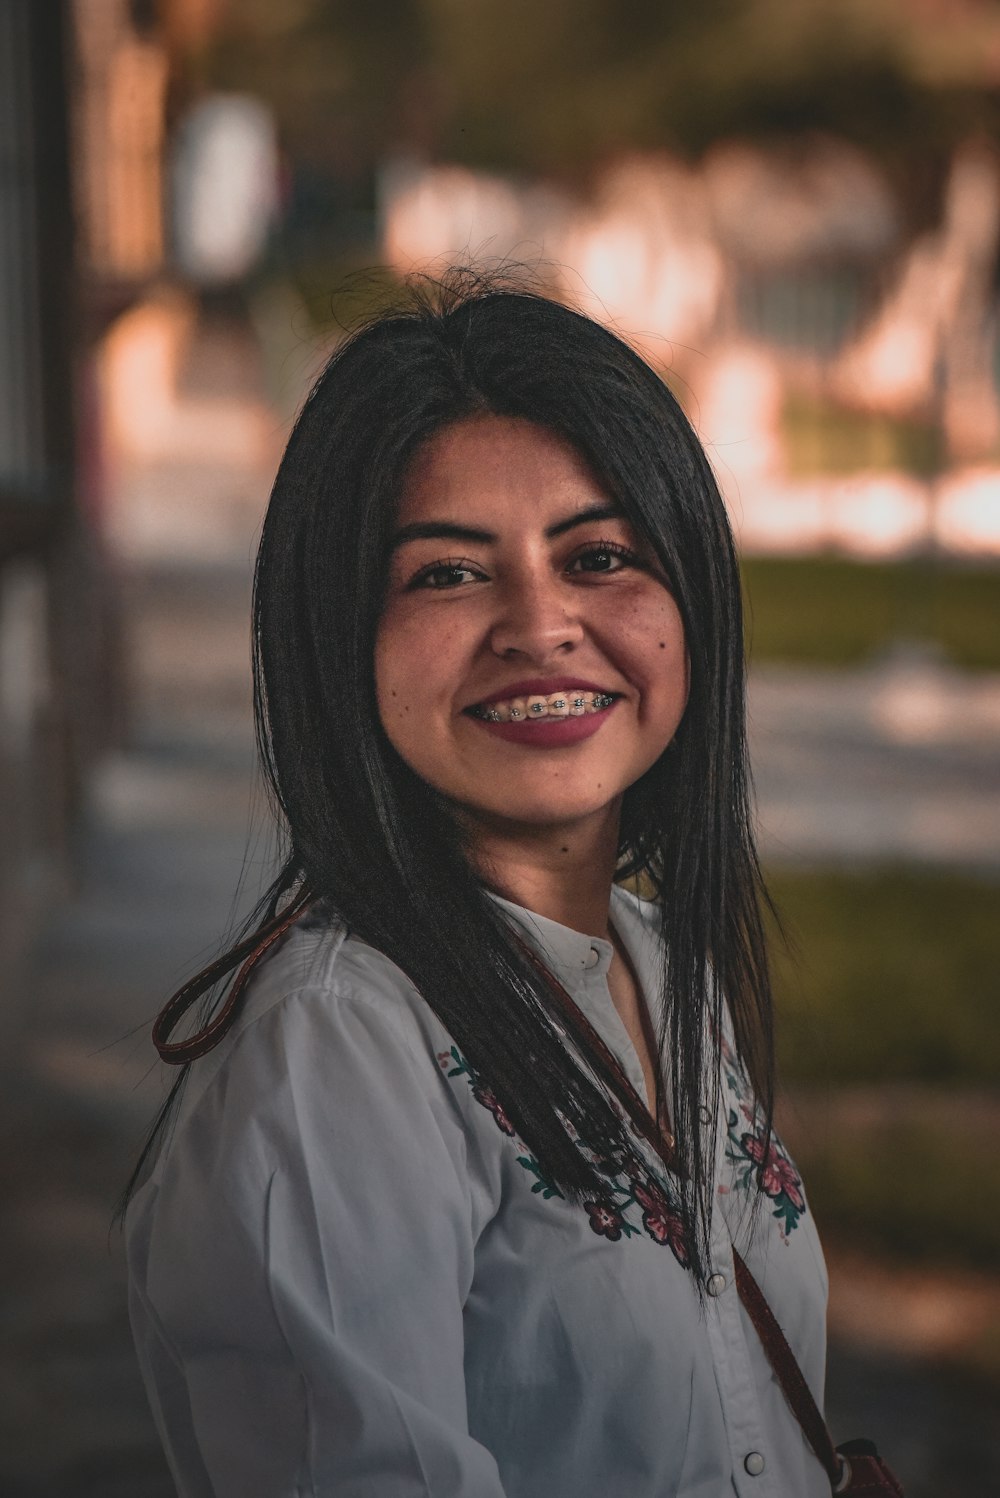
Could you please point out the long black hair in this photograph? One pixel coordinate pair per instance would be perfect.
(382, 848)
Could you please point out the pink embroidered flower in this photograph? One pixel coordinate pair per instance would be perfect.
(777, 1173)
(649, 1196)
(489, 1099)
(604, 1220)
(661, 1221)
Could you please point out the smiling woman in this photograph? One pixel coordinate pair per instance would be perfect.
(555, 582)
(470, 1172)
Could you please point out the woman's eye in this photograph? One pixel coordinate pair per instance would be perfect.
(605, 556)
(448, 574)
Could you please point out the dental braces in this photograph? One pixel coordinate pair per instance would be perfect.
(537, 708)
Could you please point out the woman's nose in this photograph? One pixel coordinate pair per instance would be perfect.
(535, 618)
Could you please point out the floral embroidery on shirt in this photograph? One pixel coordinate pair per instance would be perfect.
(660, 1219)
(455, 1064)
(489, 1099)
(628, 1194)
(754, 1157)
(605, 1220)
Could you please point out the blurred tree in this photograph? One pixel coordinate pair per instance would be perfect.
(337, 74)
(558, 87)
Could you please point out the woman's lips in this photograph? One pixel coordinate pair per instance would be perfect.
(548, 733)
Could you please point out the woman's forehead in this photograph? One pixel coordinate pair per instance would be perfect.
(486, 461)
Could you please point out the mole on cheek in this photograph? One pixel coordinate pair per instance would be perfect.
(663, 644)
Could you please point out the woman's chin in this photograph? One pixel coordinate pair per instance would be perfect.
(536, 815)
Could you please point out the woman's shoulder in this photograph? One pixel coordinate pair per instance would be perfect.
(319, 953)
(328, 1083)
(319, 995)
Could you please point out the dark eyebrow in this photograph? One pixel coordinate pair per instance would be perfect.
(446, 530)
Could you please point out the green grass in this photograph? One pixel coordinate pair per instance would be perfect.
(820, 437)
(832, 612)
(897, 976)
(908, 1192)
(895, 989)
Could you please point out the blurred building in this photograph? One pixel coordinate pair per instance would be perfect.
(48, 682)
(118, 109)
(84, 99)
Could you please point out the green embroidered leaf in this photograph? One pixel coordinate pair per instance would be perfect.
(787, 1212)
(461, 1067)
(548, 1188)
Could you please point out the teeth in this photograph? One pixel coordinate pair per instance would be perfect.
(558, 705)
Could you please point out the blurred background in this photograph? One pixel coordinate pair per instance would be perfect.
(794, 211)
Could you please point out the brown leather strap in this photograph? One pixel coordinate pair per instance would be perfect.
(786, 1369)
(643, 1121)
(783, 1361)
(180, 1052)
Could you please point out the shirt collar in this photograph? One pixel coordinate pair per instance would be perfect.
(574, 955)
(571, 955)
(581, 962)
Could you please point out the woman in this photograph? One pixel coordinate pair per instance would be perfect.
(413, 1229)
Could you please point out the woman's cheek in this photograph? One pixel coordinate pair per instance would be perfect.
(410, 660)
(649, 628)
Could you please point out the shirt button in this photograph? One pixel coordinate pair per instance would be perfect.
(753, 1463)
(592, 958)
(715, 1285)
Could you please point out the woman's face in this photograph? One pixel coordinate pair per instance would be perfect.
(516, 581)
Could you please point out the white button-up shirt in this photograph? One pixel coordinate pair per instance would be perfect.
(350, 1279)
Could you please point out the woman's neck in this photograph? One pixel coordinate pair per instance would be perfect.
(564, 873)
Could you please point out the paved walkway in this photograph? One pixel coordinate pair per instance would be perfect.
(897, 760)
(160, 858)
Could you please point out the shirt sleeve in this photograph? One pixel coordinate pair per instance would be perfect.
(299, 1280)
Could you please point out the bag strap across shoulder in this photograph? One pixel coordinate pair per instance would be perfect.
(787, 1371)
(783, 1361)
(854, 1468)
(180, 1052)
